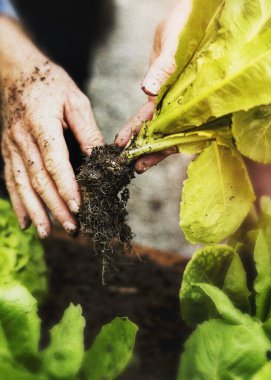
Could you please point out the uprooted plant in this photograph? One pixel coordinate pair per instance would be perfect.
(103, 180)
(216, 105)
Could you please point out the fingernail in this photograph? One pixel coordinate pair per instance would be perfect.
(42, 232)
(24, 223)
(70, 228)
(151, 91)
(73, 206)
(141, 168)
(171, 150)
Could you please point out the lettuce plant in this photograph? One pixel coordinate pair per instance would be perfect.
(64, 358)
(226, 296)
(21, 254)
(216, 105)
(22, 284)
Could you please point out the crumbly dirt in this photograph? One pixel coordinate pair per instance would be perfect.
(104, 180)
(145, 288)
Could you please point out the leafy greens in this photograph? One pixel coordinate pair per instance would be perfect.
(218, 100)
(21, 254)
(64, 358)
(226, 296)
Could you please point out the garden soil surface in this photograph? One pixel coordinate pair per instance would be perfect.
(144, 286)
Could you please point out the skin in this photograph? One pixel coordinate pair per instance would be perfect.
(38, 101)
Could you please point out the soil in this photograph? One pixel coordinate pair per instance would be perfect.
(104, 180)
(144, 287)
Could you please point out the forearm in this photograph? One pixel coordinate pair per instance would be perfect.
(17, 51)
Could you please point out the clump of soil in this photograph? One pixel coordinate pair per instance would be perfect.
(104, 180)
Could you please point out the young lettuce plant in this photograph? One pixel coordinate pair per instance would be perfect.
(64, 358)
(22, 278)
(226, 295)
(216, 105)
(21, 254)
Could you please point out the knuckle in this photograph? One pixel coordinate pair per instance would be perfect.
(40, 182)
(15, 134)
(166, 63)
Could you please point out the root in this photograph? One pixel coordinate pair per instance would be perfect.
(104, 180)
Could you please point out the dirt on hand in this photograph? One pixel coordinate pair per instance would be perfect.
(103, 181)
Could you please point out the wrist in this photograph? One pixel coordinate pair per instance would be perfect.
(18, 54)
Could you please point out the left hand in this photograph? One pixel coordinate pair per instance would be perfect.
(162, 66)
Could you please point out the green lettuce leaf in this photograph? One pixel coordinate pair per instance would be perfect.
(111, 351)
(20, 322)
(252, 133)
(221, 87)
(223, 304)
(216, 197)
(63, 357)
(21, 254)
(198, 29)
(264, 373)
(217, 349)
(262, 283)
(8, 372)
(208, 265)
(231, 26)
(235, 284)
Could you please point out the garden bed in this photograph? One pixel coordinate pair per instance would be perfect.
(144, 286)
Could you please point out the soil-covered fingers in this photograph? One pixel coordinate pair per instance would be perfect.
(15, 198)
(52, 146)
(146, 162)
(79, 115)
(134, 125)
(31, 201)
(44, 186)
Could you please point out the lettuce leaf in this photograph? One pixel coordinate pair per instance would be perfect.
(235, 284)
(199, 28)
(262, 283)
(208, 265)
(217, 348)
(111, 351)
(63, 357)
(216, 197)
(264, 373)
(252, 133)
(223, 304)
(20, 322)
(21, 254)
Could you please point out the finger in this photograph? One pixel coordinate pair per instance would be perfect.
(81, 120)
(52, 146)
(30, 199)
(15, 198)
(134, 125)
(166, 42)
(44, 186)
(146, 162)
(159, 72)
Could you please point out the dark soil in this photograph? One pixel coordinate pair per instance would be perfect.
(103, 180)
(145, 288)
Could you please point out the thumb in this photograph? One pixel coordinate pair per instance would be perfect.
(159, 72)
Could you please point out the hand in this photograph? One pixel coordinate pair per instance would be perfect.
(39, 100)
(162, 66)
